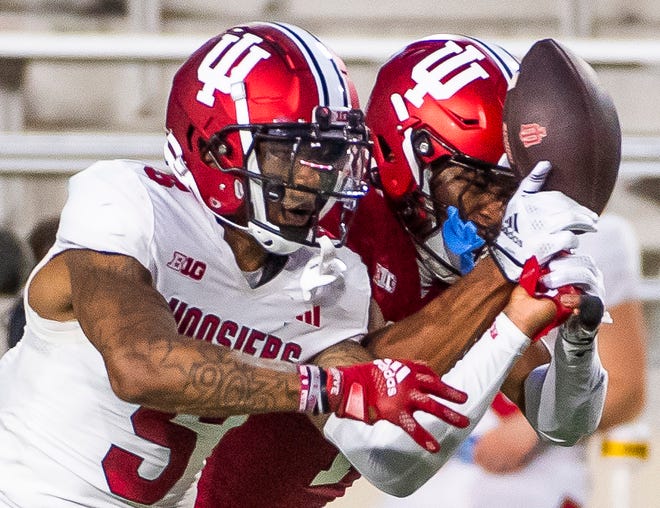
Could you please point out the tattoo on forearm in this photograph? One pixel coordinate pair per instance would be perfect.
(182, 374)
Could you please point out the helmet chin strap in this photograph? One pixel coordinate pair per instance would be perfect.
(272, 242)
(436, 259)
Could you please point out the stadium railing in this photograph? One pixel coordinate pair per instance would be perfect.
(25, 153)
(18, 49)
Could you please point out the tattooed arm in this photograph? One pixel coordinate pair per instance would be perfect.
(147, 361)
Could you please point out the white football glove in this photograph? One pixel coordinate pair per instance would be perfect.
(538, 223)
(577, 270)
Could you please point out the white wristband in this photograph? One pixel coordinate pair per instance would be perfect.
(312, 389)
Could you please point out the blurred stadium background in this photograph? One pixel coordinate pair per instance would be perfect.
(82, 80)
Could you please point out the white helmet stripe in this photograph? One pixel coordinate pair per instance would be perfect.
(242, 113)
(504, 59)
(410, 155)
(331, 84)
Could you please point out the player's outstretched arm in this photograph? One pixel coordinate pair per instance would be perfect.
(448, 325)
(384, 455)
(387, 457)
(150, 364)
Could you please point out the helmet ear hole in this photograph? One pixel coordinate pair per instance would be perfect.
(422, 144)
(189, 136)
(215, 148)
(385, 150)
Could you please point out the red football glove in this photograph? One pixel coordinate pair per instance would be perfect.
(391, 390)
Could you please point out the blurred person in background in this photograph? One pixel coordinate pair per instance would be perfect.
(40, 239)
(436, 204)
(504, 463)
(13, 268)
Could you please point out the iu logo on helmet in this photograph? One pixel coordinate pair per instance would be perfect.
(187, 266)
(432, 72)
(228, 63)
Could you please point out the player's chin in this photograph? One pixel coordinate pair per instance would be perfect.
(488, 227)
(298, 234)
(296, 218)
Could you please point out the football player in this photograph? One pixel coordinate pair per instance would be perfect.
(119, 386)
(504, 461)
(424, 231)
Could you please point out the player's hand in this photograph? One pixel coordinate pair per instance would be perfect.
(577, 270)
(575, 285)
(538, 223)
(393, 390)
(531, 314)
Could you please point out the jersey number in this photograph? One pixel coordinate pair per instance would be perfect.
(121, 466)
(164, 179)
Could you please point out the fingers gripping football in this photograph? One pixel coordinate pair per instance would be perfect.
(576, 270)
(538, 223)
(393, 390)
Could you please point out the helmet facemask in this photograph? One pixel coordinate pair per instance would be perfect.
(295, 172)
(458, 207)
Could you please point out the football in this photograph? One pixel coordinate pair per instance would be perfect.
(558, 111)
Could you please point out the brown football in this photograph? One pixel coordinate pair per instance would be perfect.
(558, 111)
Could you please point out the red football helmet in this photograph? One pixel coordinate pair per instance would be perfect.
(435, 103)
(254, 89)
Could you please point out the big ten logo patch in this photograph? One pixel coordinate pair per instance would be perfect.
(187, 266)
(384, 279)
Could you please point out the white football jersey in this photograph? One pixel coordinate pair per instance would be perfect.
(65, 438)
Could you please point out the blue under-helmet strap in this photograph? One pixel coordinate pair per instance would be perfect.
(461, 238)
